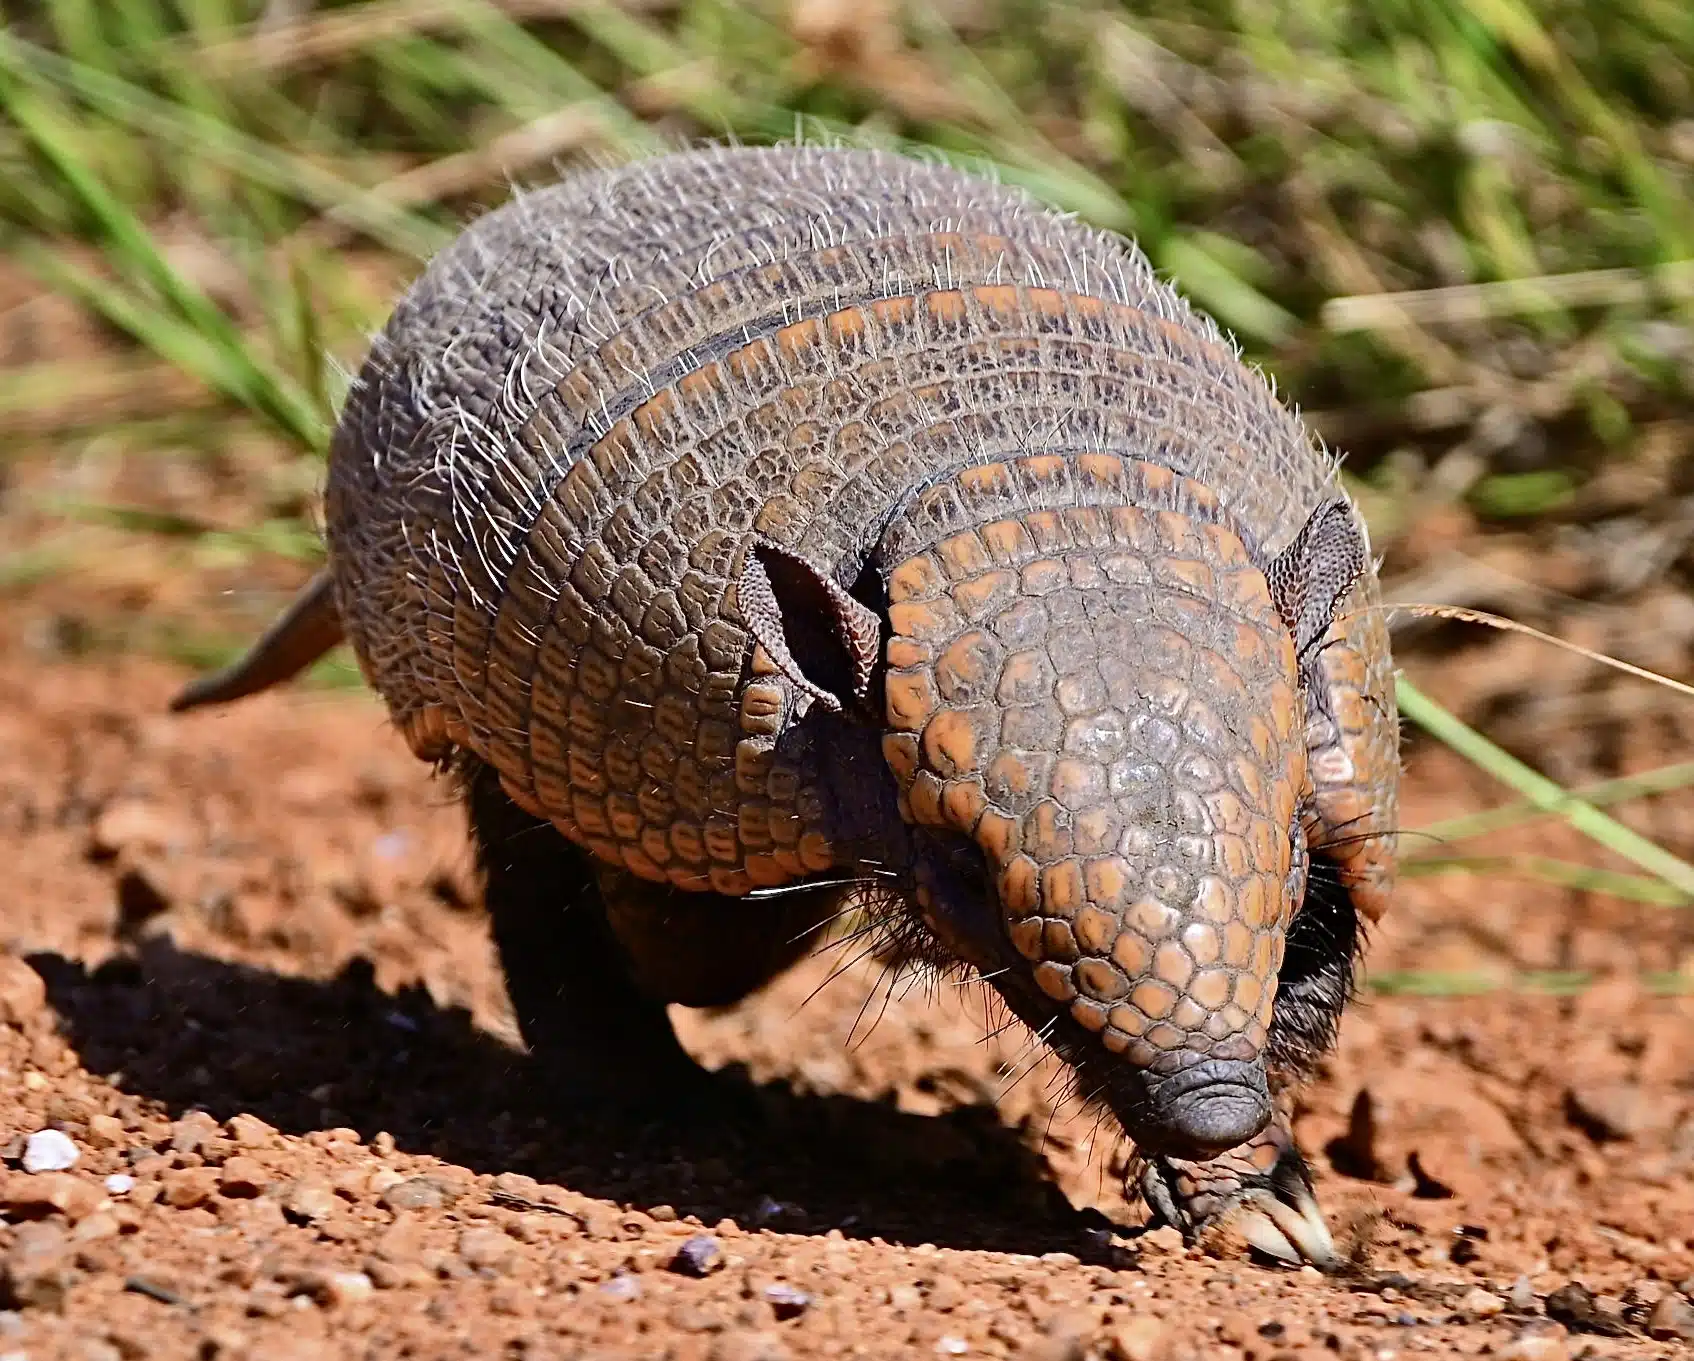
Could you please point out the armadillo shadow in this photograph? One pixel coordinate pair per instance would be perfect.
(191, 1031)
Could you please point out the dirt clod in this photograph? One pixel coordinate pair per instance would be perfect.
(1536, 1347)
(487, 1250)
(134, 825)
(23, 996)
(747, 1345)
(388, 1275)
(45, 1193)
(1140, 1339)
(37, 1273)
(1615, 1111)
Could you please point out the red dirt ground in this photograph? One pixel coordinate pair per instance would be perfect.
(244, 967)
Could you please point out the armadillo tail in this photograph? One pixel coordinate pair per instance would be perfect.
(307, 629)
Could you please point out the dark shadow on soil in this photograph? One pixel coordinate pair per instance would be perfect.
(192, 1032)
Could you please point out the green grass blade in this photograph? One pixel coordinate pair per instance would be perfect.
(1539, 982)
(1634, 888)
(228, 369)
(200, 136)
(1544, 793)
(1600, 794)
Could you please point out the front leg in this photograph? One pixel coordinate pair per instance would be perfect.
(590, 1026)
(1261, 1190)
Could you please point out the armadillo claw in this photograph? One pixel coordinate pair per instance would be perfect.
(1271, 1209)
(1291, 1236)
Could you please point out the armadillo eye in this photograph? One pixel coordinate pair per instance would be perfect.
(957, 894)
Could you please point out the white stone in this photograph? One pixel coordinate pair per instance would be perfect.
(49, 1151)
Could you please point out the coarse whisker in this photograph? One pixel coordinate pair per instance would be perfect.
(870, 928)
(1025, 1064)
(978, 978)
(996, 1032)
(799, 886)
(890, 974)
(836, 972)
(1047, 1129)
(827, 922)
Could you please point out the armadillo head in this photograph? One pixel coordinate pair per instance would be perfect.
(1095, 695)
(1096, 721)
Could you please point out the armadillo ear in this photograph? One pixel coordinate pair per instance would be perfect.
(818, 635)
(1309, 578)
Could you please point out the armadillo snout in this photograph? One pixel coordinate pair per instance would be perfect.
(1105, 703)
(1206, 1106)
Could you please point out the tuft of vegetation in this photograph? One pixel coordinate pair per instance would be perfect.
(1460, 233)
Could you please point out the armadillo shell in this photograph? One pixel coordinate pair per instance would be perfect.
(559, 448)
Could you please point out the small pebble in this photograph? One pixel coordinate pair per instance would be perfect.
(1672, 1320)
(1139, 1339)
(416, 1193)
(1522, 1296)
(106, 1131)
(949, 1345)
(1479, 1303)
(49, 1151)
(120, 1184)
(242, 1177)
(191, 1132)
(187, 1187)
(486, 1250)
(251, 1132)
(342, 1288)
(622, 1289)
(1536, 1347)
(700, 1255)
(1580, 1310)
(308, 1199)
(787, 1301)
(386, 1275)
(946, 1294)
(743, 1345)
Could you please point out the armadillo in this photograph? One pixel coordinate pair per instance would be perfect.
(753, 527)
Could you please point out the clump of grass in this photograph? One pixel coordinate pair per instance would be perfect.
(1432, 220)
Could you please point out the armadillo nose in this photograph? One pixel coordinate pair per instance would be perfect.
(1206, 1108)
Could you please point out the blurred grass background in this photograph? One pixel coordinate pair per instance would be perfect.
(1459, 234)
